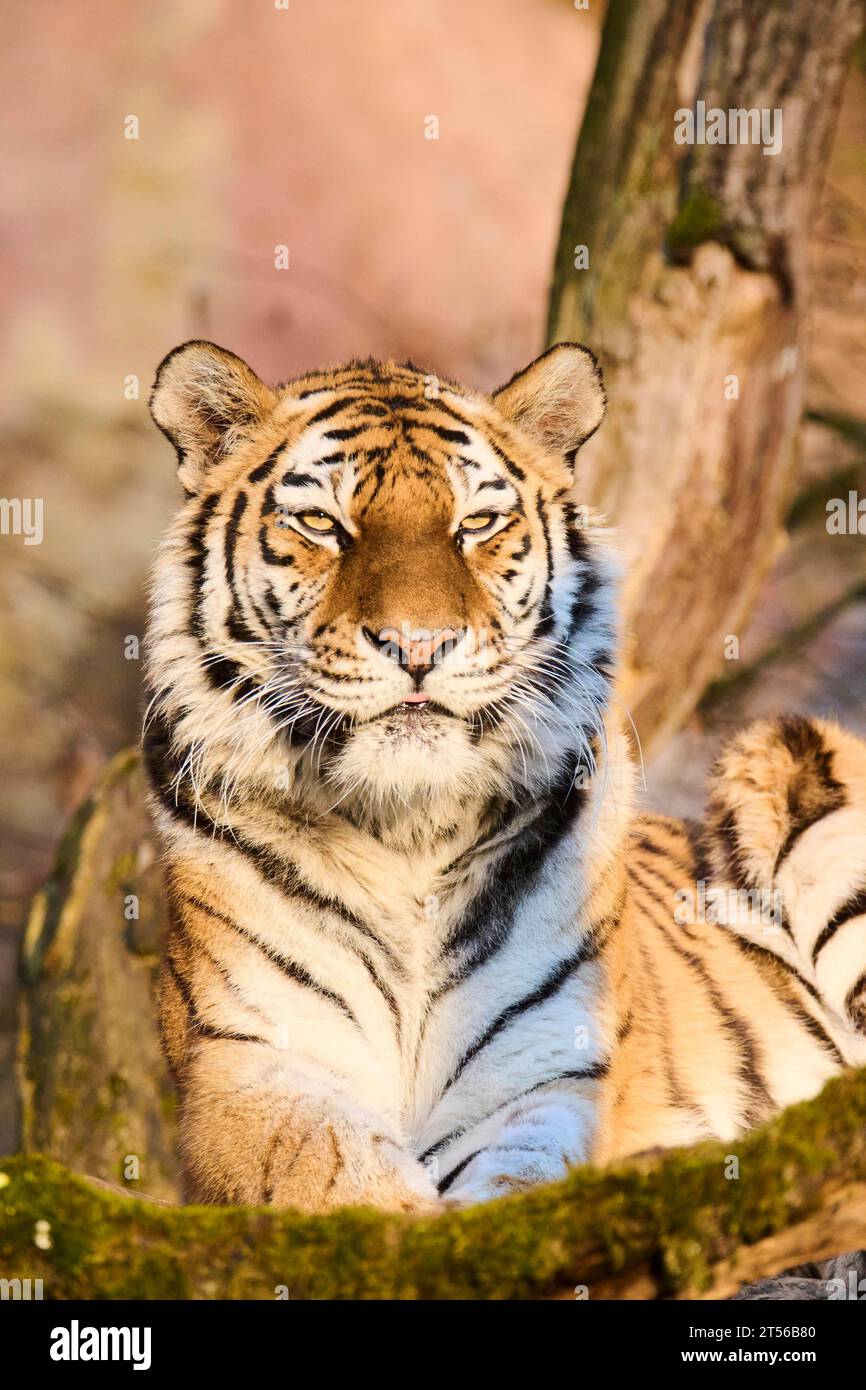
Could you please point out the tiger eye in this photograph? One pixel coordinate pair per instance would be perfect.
(317, 521)
(478, 522)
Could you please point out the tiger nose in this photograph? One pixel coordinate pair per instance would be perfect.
(417, 651)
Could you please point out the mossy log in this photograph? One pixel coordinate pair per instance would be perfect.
(95, 1093)
(669, 1225)
(695, 295)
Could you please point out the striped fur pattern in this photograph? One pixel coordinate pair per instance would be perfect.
(424, 950)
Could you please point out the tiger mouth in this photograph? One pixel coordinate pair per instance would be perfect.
(418, 710)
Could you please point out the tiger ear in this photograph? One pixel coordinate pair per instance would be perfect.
(206, 401)
(559, 399)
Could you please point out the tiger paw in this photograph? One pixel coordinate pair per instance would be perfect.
(502, 1171)
(334, 1164)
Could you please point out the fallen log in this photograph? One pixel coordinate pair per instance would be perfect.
(666, 1225)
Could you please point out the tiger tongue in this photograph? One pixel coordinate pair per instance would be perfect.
(416, 698)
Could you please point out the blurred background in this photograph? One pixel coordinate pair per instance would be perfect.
(307, 128)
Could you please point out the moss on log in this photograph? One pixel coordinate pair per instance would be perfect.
(667, 1225)
(94, 1089)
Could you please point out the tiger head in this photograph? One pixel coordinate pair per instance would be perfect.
(381, 586)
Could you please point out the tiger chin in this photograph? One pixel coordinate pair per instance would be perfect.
(424, 948)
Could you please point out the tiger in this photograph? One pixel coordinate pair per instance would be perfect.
(426, 948)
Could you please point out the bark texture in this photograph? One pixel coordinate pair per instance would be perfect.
(695, 298)
(94, 1089)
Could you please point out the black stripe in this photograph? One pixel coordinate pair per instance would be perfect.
(443, 1185)
(813, 792)
(181, 928)
(509, 463)
(664, 903)
(578, 546)
(384, 989)
(300, 480)
(764, 953)
(857, 995)
(280, 873)
(545, 614)
(625, 1027)
(676, 854)
(854, 907)
(397, 401)
(183, 988)
(749, 1068)
(270, 556)
(676, 1094)
(667, 904)
(582, 607)
(443, 405)
(651, 867)
(486, 924)
(205, 1030)
(237, 625)
(196, 560)
(449, 436)
(593, 1073)
(265, 469)
(328, 411)
(222, 672)
(350, 432)
(262, 616)
(553, 982)
(297, 973)
(196, 1023)
(728, 833)
(818, 1032)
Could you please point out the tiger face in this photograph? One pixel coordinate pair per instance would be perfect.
(380, 580)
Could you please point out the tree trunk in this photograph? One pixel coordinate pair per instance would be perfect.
(695, 297)
(94, 1089)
